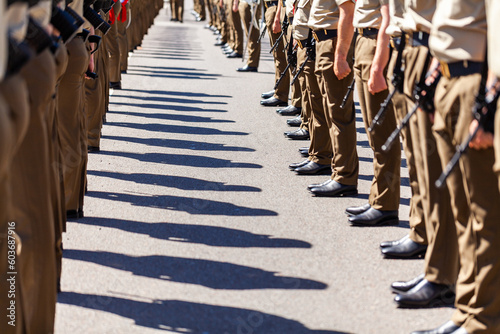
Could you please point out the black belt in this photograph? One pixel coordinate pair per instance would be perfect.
(461, 68)
(368, 31)
(84, 34)
(420, 38)
(302, 43)
(270, 3)
(324, 34)
(395, 40)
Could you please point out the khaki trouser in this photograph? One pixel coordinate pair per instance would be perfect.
(441, 258)
(416, 217)
(15, 93)
(341, 122)
(31, 209)
(253, 48)
(497, 143)
(71, 107)
(177, 10)
(95, 100)
(7, 244)
(235, 19)
(479, 308)
(111, 39)
(56, 175)
(385, 188)
(296, 92)
(320, 148)
(306, 113)
(199, 7)
(280, 63)
(123, 44)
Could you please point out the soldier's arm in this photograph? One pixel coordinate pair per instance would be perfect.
(236, 3)
(344, 38)
(277, 18)
(377, 81)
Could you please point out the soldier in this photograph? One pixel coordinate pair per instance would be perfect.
(333, 30)
(278, 97)
(493, 10)
(415, 243)
(71, 102)
(178, 10)
(295, 107)
(460, 48)
(250, 9)
(371, 57)
(113, 47)
(312, 116)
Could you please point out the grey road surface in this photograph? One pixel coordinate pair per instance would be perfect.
(194, 224)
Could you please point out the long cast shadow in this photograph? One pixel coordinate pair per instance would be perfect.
(182, 160)
(197, 234)
(182, 107)
(175, 117)
(166, 92)
(169, 99)
(207, 273)
(194, 206)
(172, 128)
(179, 143)
(188, 317)
(173, 181)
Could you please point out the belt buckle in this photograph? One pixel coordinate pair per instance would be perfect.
(360, 31)
(445, 70)
(300, 44)
(315, 36)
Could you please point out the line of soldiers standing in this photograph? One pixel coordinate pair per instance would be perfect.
(422, 73)
(58, 60)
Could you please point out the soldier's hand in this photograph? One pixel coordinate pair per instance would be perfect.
(482, 140)
(341, 68)
(276, 25)
(377, 82)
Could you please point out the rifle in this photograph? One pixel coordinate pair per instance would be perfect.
(292, 61)
(484, 111)
(349, 91)
(424, 98)
(311, 55)
(284, 29)
(397, 82)
(351, 86)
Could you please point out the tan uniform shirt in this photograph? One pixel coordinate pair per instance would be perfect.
(459, 31)
(418, 15)
(396, 12)
(493, 17)
(289, 7)
(367, 13)
(77, 6)
(300, 27)
(17, 21)
(3, 40)
(325, 14)
(41, 12)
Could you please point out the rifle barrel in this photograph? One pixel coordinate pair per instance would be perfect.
(381, 112)
(349, 91)
(392, 138)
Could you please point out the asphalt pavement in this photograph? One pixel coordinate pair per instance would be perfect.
(194, 224)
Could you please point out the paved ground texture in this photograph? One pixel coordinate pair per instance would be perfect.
(194, 224)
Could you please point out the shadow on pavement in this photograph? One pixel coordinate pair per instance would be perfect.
(188, 317)
(207, 273)
(197, 234)
(194, 130)
(180, 143)
(166, 92)
(182, 107)
(173, 181)
(168, 99)
(194, 206)
(183, 160)
(174, 117)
